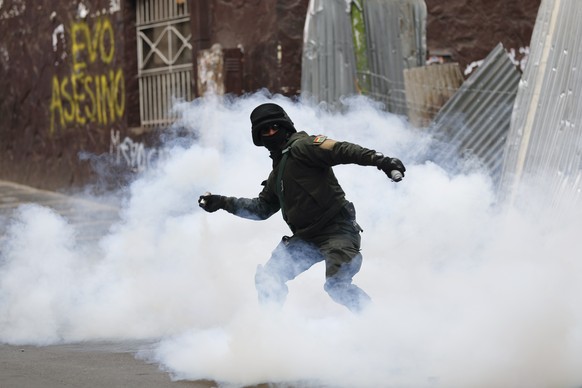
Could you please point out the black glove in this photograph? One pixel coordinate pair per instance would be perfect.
(211, 202)
(388, 165)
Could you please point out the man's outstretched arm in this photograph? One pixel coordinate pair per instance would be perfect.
(251, 208)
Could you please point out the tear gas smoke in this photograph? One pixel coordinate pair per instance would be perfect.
(465, 292)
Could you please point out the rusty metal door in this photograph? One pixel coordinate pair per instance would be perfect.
(164, 56)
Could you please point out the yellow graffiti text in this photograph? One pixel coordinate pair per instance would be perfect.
(88, 45)
(87, 99)
(94, 92)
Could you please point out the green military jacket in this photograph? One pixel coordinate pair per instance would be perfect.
(311, 194)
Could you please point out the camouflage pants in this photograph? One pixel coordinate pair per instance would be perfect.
(338, 245)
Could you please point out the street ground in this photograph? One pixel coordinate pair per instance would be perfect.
(82, 365)
(90, 218)
(75, 365)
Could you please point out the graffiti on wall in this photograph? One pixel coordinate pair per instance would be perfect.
(133, 154)
(94, 91)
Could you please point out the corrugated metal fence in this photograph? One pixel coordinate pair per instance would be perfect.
(328, 66)
(396, 40)
(476, 120)
(362, 47)
(545, 142)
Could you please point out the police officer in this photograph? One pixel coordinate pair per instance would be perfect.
(303, 186)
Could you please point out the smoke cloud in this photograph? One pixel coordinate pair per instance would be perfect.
(466, 292)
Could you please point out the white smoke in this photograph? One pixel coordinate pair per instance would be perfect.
(465, 292)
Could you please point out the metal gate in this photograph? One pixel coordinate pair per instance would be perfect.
(164, 56)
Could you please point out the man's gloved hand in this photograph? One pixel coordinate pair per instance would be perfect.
(388, 165)
(211, 202)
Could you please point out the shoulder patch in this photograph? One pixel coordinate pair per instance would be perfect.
(319, 139)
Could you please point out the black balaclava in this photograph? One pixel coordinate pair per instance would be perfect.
(269, 115)
(275, 142)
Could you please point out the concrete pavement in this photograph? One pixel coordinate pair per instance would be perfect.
(92, 219)
(75, 365)
(82, 365)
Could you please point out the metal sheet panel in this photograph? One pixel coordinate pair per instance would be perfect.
(328, 67)
(476, 120)
(394, 39)
(544, 146)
